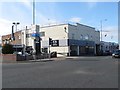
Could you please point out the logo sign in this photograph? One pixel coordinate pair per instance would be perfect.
(35, 34)
(55, 42)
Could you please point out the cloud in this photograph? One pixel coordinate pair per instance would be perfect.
(92, 4)
(75, 19)
(54, 22)
(6, 22)
(39, 17)
(5, 26)
(0, 8)
(111, 32)
(27, 3)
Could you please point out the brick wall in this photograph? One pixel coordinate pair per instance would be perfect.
(12, 58)
(17, 38)
(9, 57)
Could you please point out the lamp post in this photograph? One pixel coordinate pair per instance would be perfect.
(17, 23)
(101, 23)
(33, 12)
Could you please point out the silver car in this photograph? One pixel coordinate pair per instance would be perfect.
(116, 54)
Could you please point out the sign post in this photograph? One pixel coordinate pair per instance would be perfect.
(50, 43)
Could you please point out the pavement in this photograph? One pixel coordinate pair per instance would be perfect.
(50, 59)
(36, 60)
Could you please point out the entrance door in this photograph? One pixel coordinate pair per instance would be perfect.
(73, 50)
(97, 49)
(82, 50)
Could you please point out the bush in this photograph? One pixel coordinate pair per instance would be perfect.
(7, 49)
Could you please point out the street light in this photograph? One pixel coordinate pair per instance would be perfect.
(17, 23)
(101, 23)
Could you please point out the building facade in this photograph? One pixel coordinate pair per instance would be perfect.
(31, 38)
(109, 47)
(67, 39)
(25, 40)
(17, 42)
(7, 38)
(70, 40)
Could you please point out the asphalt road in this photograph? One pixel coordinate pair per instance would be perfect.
(77, 72)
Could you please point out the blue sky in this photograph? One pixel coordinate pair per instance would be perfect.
(88, 13)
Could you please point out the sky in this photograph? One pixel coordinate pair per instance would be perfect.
(49, 13)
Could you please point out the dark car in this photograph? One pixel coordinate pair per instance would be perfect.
(116, 54)
(53, 54)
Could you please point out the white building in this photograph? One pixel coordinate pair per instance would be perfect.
(109, 46)
(30, 37)
(70, 39)
(67, 39)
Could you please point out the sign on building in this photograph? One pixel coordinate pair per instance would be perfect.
(55, 42)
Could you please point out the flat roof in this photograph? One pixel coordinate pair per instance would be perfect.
(67, 24)
(85, 25)
(53, 25)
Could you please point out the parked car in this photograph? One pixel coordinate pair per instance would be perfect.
(22, 54)
(116, 54)
(53, 54)
(26, 54)
(19, 53)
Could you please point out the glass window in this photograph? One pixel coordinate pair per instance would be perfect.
(27, 35)
(42, 34)
(45, 50)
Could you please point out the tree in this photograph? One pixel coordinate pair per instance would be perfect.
(7, 49)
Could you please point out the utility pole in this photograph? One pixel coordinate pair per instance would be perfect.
(33, 12)
(119, 24)
(101, 23)
(101, 29)
(50, 43)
